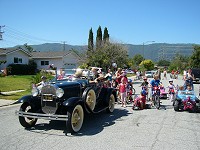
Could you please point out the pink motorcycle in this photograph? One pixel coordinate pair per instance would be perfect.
(163, 93)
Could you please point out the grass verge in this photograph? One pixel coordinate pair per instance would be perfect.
(13, 83)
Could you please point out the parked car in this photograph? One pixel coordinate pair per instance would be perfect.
(68, 99)
(196, 72)
(149, 74)
(129, 71)
(186, 100)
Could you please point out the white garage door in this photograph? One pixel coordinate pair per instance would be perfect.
(70, 66)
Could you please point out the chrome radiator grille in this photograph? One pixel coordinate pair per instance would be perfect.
(48, 99)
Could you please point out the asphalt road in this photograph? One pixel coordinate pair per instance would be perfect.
(126, 129)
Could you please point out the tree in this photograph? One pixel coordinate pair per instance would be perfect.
(28, 48)
(147, 65)
(90, 41)
(105, 35)
(131, 63)
(107, 54)
(138, 59)
(163, 63)
(195, 58)
(179, 62)
(99, 38)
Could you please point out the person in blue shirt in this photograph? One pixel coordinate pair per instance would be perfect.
(153, 83)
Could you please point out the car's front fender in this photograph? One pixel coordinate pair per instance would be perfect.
(27, 98)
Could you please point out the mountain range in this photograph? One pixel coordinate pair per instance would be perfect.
(155, 51)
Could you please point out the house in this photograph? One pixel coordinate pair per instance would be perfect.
(13, 56)
(59, 59)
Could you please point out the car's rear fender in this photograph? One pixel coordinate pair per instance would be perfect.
(109, 92)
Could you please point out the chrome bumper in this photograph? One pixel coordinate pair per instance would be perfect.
(42, 116)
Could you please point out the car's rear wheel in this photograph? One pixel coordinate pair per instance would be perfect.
(111, 104)
(26, 121)
(75, 119)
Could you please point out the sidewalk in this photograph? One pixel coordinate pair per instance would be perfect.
(4, 102)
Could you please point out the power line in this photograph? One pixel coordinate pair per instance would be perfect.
(29, 36)
(12, 35)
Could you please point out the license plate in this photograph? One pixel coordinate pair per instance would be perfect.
(48, 97)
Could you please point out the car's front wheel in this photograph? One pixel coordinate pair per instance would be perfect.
(75, 119)
(111, 105)
(26, 121)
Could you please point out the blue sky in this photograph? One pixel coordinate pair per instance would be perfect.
(128, 21)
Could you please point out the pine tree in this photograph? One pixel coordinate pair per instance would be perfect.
(90, 41)
(99, 38)
(105, 35)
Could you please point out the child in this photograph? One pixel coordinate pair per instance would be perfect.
(154, 83)
(189, 88)
(145, 85)
(140, 101)
(171, 90)
(122, 91)
(43, 82)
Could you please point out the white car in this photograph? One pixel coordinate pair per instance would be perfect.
(149, 74)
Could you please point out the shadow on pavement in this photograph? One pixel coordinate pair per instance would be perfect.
(93, 124)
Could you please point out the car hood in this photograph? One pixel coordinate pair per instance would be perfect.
(185, 97)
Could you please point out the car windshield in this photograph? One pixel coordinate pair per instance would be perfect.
(72, 74)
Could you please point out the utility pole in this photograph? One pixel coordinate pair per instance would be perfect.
(64, 46)
(1, 32)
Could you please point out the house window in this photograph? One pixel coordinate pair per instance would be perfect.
(17, 60)
(44, 63)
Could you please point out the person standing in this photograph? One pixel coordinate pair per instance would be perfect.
(184, 74)
(164, 74)
(189, 79)
(118, 75)
(159, 74)
(122, 91)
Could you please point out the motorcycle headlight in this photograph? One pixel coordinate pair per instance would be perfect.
(59, 92)
(35, 91)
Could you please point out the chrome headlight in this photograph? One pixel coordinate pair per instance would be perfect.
(83, 84)
(59, 92)
(35, 91)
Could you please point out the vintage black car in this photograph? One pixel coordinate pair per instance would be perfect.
(67, 99)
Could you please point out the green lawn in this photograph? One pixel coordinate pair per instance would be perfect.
(13, 83)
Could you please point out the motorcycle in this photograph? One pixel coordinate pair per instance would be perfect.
(156, 96)
(163, 93)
